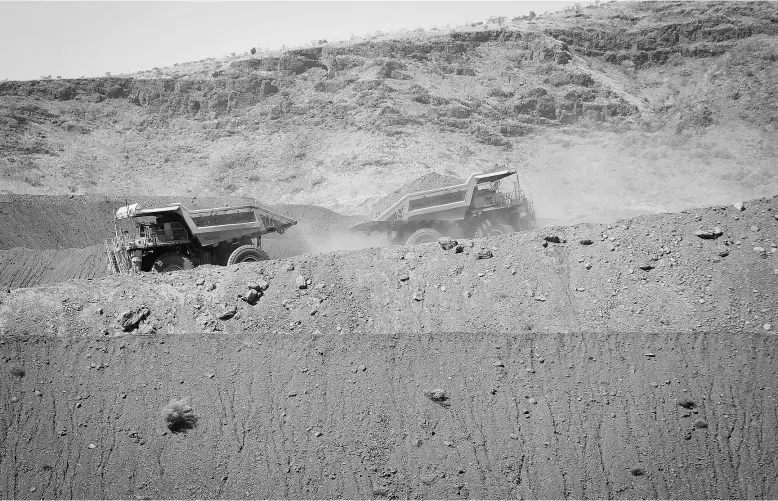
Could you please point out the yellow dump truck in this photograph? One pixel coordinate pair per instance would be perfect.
(165, 239)
(486, 204)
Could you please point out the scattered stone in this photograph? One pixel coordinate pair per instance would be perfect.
(92, 446)
(14, 399)
(700, 424)
(483, 254)
(722, 250)
(646, 267)
(709, 234)
(228, 312)
(767, 327)
(739, 206)
(200, 281)
(540, 297)
(754, 228)
(290, 267)
(499, 363)
(130, 319)
(650, 355)
(301, 282)
(552, 239)
(260, 286)
(447, 243)
(403, 277)
(362, 368)
(210, 287)
(513, 436)
(318, 434)
(759, 250)
(588, 266)
(437, 395)
(251, 297)
(38, 393)
(459, 249)
(418, 295)
(586, 241)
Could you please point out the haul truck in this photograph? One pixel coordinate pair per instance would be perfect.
(486, 204)
(172, 238)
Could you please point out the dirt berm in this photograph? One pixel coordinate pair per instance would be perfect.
(631, 361)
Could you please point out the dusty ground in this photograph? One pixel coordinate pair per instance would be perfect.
(562, 367)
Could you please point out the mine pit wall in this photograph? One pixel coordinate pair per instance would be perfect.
(335, 416)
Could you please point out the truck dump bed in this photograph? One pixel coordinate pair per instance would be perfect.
(449, 203)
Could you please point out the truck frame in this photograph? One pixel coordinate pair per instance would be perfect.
(484, 205)
(172, 238)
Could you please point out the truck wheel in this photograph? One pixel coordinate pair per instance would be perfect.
(423, 236)
(167, 263)
(247, 254)
(492, 230)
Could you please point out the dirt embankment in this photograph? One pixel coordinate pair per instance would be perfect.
(345, 415)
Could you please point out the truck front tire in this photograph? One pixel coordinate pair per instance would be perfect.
(170, 262)
(423, 236)
(247, 254)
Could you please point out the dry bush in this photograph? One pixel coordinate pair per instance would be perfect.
(687, 403)
(178, 415)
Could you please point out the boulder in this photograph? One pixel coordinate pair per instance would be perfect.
(130, 319)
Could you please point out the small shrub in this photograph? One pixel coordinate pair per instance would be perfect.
(17, 371)
(178, 416)
(687, 403)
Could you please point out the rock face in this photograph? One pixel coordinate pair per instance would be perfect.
(166, 97)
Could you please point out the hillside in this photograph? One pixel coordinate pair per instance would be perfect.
(607, 112)
(627, 361)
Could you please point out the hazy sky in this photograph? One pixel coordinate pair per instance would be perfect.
(71, 39)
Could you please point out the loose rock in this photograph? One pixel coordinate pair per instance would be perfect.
(709, 234)
(228, 312)
(483, 254)
(447, 243)
(739, 206)
(301, 282)
(251, 296)
(130, 319)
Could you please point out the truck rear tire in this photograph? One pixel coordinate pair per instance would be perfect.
(247, 254)
(167, 263)
(492, 230)
(423, 236)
